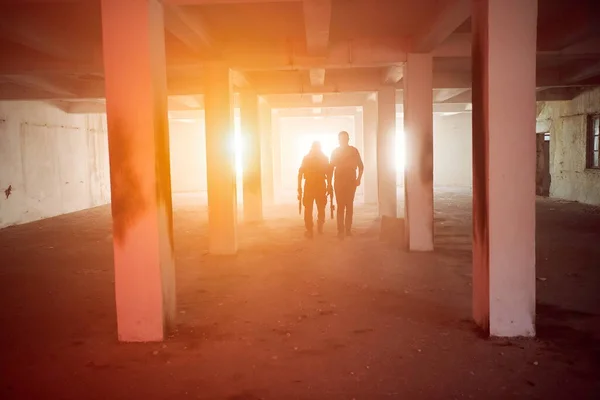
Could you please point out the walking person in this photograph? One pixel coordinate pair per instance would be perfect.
(316, 173)
(345, 161)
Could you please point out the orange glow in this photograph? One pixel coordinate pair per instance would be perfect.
(303, 142)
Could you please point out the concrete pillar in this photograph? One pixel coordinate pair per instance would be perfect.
(251, 157)
(386, 151)
(504, 113)
(360, 145)
(220, 160)
(370, 153)
(266, 140)
(138, 137)
(418, 133)
(277, 183)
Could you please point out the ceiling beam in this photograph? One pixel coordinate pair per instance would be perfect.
(271, 82)
(98, 106)
(191, 102)
(37, 31)
(317, 98)
(329, 100)
(366, 52)
(569, 26)
(239, 79)
(190, 31)
(559, 94)
(57, 85)
(442, 95)
(308, 112)
(342, 80)
(459, 107)
(10, 91)
(450, 16)
(392, 74)
(301, 111)
(373, 52)
(317, 21)
(591, 70)
(92, 106)
(317, 76)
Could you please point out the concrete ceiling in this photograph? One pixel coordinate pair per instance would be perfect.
(283, 49)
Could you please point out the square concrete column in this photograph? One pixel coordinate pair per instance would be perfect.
(418, 134)
(220, 160)
(504, 114)
(277, 178)
(370, 153)
(138, 139)
(252, 188)
(360, 145)
(386, 152)
(266, 142)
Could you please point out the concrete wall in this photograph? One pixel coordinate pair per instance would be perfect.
(58, 163)
(570, 180)
(54, 162)
(452, 161)
(188, 152)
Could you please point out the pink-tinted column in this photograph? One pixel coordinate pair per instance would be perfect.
(138, 137)
(360, 144)
(370, 153)
(418, 133)
(504, 113)
(266, 141)
(386, 152)
(277, 178)
(220, 160)
(252, 189)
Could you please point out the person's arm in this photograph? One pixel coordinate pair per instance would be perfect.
(361, 168)
(332, 164)
(300, 176)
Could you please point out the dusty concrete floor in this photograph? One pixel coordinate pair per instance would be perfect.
(294, 319)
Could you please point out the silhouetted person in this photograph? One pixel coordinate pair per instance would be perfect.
(316, 172)
(345, 160)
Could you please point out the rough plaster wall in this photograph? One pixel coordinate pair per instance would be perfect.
(570, 180)
(452, 162)
(55, 162)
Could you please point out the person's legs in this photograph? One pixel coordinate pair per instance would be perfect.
(351, 192)
(308, 201)
(321, 201)
(341, 206)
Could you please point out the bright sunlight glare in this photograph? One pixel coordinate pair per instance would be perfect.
(400, 150)
(238, 147)
(303, 143)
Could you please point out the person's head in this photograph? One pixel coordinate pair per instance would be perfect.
(315, 147)
(344, 138)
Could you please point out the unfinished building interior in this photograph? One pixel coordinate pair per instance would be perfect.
(150, 242)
